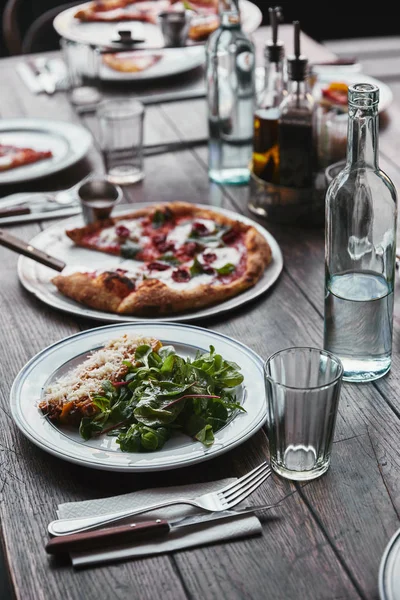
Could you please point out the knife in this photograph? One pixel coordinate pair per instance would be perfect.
(135, 532)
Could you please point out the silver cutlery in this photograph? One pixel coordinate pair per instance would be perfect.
(221, 500)
(135, 532)
(50, 200)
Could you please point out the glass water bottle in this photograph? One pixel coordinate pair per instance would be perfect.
(230, 80)
(360, 248)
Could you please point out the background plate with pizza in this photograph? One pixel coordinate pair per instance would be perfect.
(38, 279)
(61, 144)
(103, 33)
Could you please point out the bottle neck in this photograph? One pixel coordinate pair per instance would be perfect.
(298, 88)
(362, 136)
(274, 86)
(229, 13)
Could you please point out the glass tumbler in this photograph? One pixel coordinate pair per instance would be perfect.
(303, 389)
(83, 64)
(121, 137)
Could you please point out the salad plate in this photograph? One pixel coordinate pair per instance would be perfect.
(102, 452)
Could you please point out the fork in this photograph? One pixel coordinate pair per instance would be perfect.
(223, 499)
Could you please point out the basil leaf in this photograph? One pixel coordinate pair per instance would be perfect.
(169, 258)
(196, 268)
(129, 249)
(160, 217)
(226, 269)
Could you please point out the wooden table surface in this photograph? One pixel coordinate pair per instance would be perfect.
(333, 531)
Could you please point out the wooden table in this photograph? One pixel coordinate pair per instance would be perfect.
(329, 543)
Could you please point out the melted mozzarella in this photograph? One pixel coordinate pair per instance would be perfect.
(166, 277)
(224, 256)
(108, 235)
(180, 234)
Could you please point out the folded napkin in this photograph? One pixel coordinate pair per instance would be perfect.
(187, 537)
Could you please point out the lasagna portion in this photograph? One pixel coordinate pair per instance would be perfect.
(70, 398)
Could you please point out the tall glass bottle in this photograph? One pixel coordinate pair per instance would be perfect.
(360, 248)
(230, 80)
(295, 128)
(265, 162)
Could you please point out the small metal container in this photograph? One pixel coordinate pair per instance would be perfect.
(98, 198)
(175, 27)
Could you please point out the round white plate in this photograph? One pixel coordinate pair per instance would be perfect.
(174, 62)
(68, 143)
(36, 278)
(348, 77)
(104, 453)
(389, 570)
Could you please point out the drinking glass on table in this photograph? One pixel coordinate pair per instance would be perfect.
(303, 389)
(83, 64)
(121, 124)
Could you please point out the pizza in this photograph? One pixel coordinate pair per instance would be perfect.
(123, 10)
(15, 156)
(202, 27)
(131, 62)
(71, 397)
(205, 20)
(175, 257)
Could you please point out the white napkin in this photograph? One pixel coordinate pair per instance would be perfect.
(186, 537)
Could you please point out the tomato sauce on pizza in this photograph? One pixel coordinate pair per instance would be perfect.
(12, 157)
(174, 256)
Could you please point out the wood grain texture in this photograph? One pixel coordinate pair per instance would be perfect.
(332, 531)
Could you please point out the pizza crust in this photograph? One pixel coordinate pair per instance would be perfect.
(114, 292)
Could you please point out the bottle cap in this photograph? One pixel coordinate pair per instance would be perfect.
(297, 64)
(297, 67)
(274, 52)
(274, 49)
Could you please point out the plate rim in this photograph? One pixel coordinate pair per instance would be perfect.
(14, 402)
(383, 563)
(65, 129)
(226, 306)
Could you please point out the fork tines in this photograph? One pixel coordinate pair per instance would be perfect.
(246, 485)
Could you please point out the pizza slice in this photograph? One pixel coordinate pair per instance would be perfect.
(12, 157)
(186, 258)
(71, 397)
(121, 10)
(131, 62)
(202, 27)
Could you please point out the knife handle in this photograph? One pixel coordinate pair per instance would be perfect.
(13, 243)
(14, 212)
(111, 536)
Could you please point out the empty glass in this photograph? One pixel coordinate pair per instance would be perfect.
(303, 389)
(83, 63)
(121, 138)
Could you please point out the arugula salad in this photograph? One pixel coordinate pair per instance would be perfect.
(163, 393)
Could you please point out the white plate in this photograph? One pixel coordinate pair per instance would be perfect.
(68, 143)
(174, 62)
(103, 453)
(36, 278)
(389, 570)
(344, 76)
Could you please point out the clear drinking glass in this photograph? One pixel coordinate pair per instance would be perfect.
(83, 64)
(303, 389)
(121, 137)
